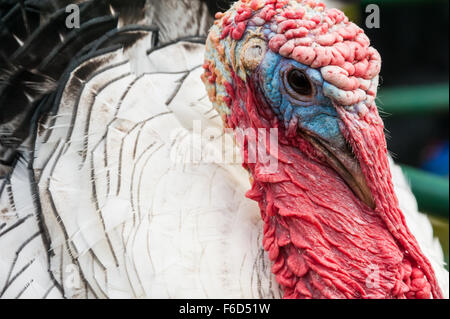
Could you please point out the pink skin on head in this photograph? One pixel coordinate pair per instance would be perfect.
(324, 241)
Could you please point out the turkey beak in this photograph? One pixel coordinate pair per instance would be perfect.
(344, 162)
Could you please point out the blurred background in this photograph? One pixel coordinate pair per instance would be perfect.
(414, 93)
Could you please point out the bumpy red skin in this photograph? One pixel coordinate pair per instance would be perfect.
(324, 242)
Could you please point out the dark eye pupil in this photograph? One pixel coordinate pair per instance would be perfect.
(299, 82)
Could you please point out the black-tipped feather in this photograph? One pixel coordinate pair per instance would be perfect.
(37, 48)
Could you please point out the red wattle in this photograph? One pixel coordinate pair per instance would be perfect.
(369, 145)
(323, 241)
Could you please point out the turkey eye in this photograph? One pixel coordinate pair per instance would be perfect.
(299, 82)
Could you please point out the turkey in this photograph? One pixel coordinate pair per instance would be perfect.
(128, 167)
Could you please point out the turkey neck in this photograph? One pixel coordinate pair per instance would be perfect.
(323, 240)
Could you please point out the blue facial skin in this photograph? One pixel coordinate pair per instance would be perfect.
(316, 115)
